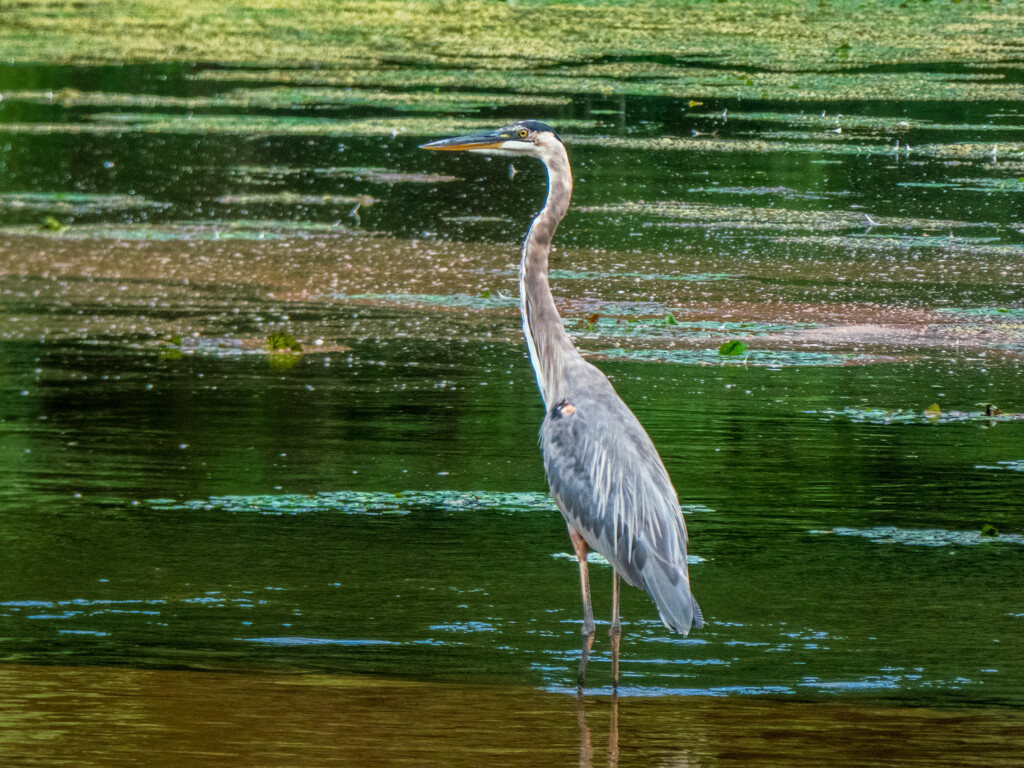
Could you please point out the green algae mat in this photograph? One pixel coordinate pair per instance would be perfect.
(780, 49)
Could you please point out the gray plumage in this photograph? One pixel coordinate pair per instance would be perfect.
(604, 472)
(612, 488)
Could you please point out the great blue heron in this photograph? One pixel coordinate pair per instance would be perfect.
(604, 472)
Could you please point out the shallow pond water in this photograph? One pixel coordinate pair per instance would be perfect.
(363, 527)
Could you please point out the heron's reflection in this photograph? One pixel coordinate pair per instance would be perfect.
(586, 743)
(683, 757)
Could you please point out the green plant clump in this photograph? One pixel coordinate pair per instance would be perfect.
(282, 342)
(733, 347)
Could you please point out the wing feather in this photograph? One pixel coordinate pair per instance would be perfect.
(612, 488)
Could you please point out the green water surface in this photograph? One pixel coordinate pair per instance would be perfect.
(175, 499)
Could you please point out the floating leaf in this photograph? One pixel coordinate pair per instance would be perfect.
(733, 347)
(933, 411)
(670, 319)
(989, 530)
(51, 224)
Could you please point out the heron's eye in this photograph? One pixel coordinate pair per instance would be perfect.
(523, 133)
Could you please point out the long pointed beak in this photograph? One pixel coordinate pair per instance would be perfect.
(488, 140)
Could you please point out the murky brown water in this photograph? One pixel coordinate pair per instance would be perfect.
(97, 716)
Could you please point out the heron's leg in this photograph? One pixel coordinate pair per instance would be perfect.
(616, 627)
(581, 549)
(615, 630)
(588, 643)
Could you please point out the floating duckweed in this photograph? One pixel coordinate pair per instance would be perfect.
(634, 326)
(707, 215)
(596, 48)
(931, 415)
(925, 537)
(288, 98)
(596, 558)
(293, 198)
(692, 277)
(74, 203)
(265, 125)
(766, 358)
(986, 313)
(454, 300)
(265, 229)
(365, 502)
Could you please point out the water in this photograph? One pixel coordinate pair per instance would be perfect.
(363, 528)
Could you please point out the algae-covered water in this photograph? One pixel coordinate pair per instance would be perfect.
(216, 550)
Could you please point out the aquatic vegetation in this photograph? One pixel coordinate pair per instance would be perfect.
(293, 642)
(280, 347)
(996, 314)
(282, 342)
(608, 76)
(384, 175)
(457, 300)
(596, 558)
(73, 203)
(693, 277)
(932, 240)
(255, 125)
(926, 537)
(733, 347)
(933, 414)
(986, 185)
(282, 97)
(763, 358)
(366, 502)
(639, 328)
(713, 216)
(870, 52)
(234, 229)
(887, 125)
(824, 146)
(1013, 466)
(294, 198)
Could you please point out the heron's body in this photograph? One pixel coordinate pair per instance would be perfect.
(604, 472)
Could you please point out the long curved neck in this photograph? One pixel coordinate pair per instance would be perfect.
(549, 345)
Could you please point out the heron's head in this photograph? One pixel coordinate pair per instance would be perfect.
(528, 138)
